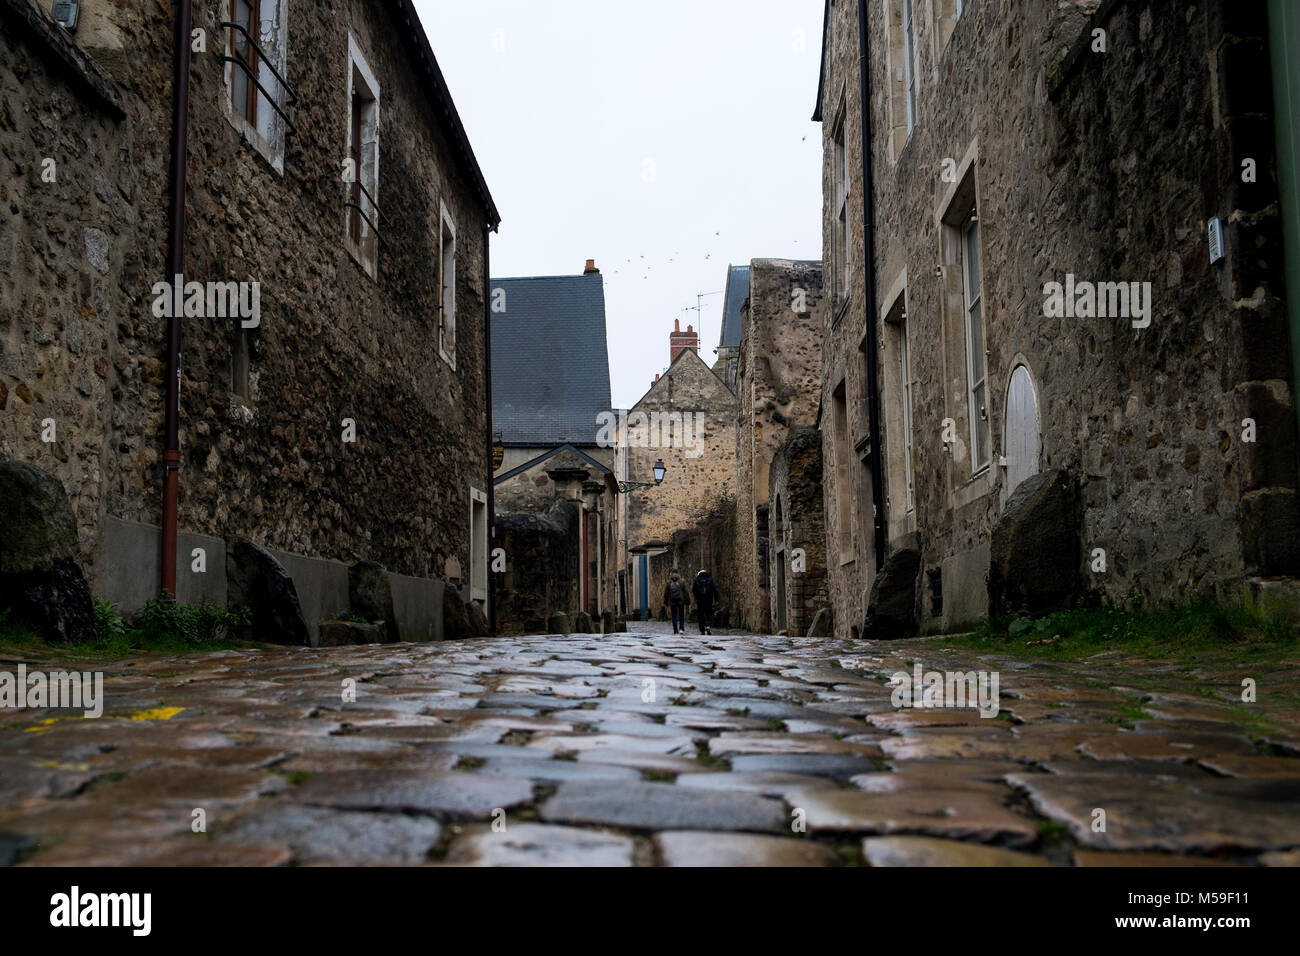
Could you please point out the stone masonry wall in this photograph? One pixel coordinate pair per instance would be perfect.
(797, 521)
(843, 329)
(778, 384)
(333, 343)
(1103, 165)
(709, 543)
(75, 254)
(693, 484)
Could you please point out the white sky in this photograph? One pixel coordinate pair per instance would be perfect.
(566, 101)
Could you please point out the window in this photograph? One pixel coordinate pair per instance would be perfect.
(897, 386)
(901, 66)
(946, 15)
(905, 378)
(447, 289)
(361, 172)
(256, 51)
(239, 366)
(909, 65)
(478, 545)
(976, 374)
(840, 211)
(843, 454)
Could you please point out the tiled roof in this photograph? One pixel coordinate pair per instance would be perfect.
(550, 361)
(736, 294)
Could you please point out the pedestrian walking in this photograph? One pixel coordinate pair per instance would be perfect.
(706, 598)
(675, 596)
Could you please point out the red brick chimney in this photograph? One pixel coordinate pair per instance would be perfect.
(679, 341)
(591, 269)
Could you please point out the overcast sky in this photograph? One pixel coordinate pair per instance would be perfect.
(663, 140)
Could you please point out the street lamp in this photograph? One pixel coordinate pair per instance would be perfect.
(659, 470)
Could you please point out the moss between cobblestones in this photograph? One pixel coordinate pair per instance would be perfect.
(1188, 634)
(703, 755)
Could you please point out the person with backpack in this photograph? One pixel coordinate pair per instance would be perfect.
(675, 597)
(706, 597)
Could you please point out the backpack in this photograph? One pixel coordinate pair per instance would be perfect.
(676, 591)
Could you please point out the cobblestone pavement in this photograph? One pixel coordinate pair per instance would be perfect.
(745, 749)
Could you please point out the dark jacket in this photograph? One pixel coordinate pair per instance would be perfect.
(668, 593)
(705, 590)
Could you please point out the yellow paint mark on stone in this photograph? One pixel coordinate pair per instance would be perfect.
(155, 713)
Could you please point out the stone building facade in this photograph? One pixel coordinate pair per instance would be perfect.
(687, 420)
(1067, 278)
(797, 533)
(343, 417)
(548, 418)
(778, 383)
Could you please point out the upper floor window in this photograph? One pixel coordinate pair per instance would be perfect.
(901, 64)
(255, 68)
(361, 170)
(976, 364)
(840, 213)
(447, 289)
(946, 15)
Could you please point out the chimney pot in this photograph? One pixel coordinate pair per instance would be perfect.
(591, 268)
(679, 341)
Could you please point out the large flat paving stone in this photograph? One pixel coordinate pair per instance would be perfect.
(660, 806)
(735, 744)
(768, 784)
(555, 771)
(324, 835)
(818, 765)
(535, 844)
(929, 851)
(693, 848)
(1165, 746)
(1149, 813)
(578, 743)
(451, 794)
(958, 814)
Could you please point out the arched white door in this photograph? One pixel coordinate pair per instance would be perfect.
(1021, 433)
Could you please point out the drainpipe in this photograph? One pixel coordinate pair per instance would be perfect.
(869, 293)
(175, 269)
(487, 392)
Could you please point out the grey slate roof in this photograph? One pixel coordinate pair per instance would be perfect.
(736, 293)
(550, 361)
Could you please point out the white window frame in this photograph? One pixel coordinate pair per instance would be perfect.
(840, 212)
(367, 253)
(446, 287)
(478, 546)
(976, 364)
(269, 142)
(909, 66)
(905, 369)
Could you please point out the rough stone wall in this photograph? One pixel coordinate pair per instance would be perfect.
(533, 490)
(778, 386)
(843, 328)
(76, 257)
(1104, 165)
(333, 343)
(693, 484)
(797, 521)
(708, 543)
(541, 576)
